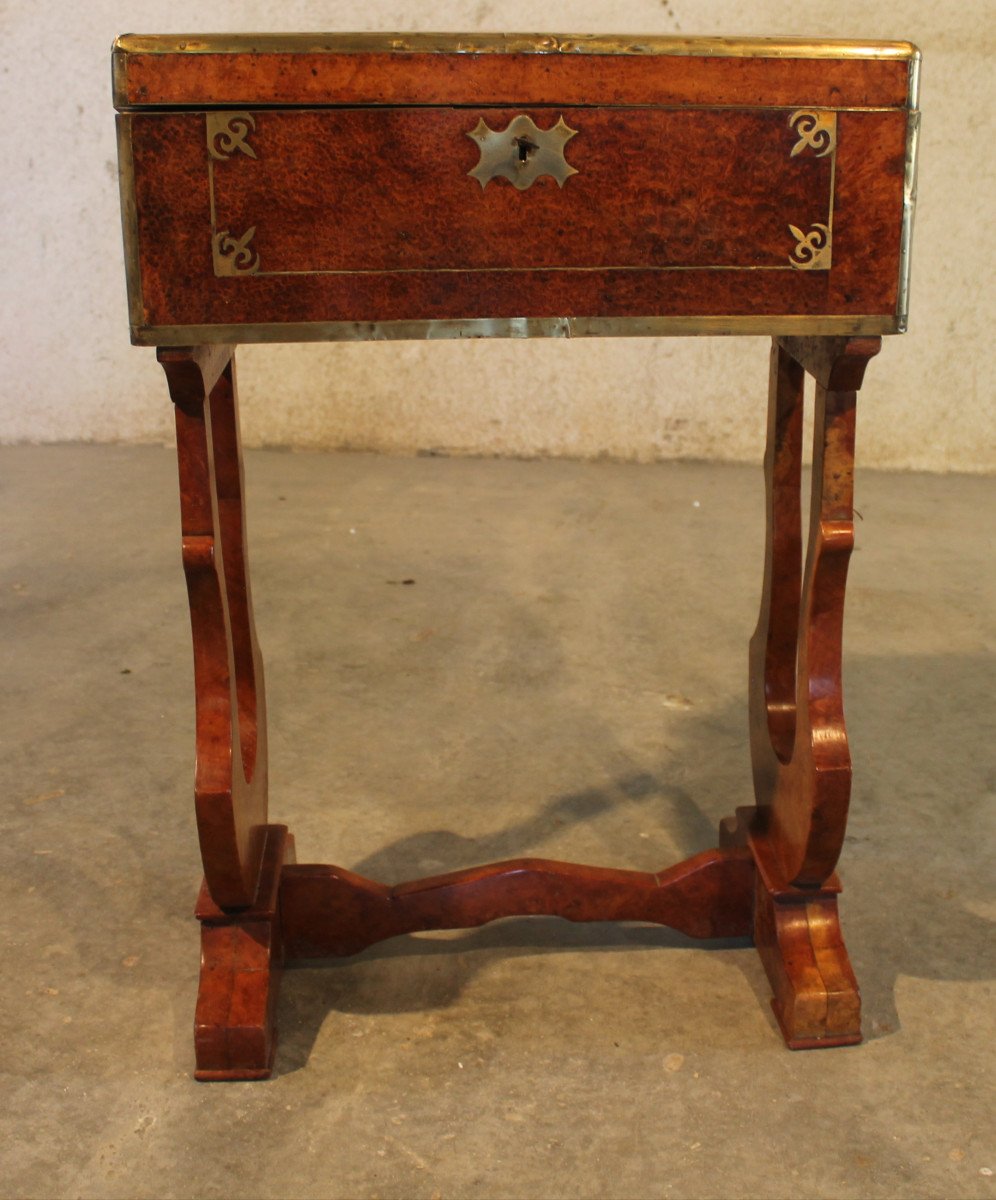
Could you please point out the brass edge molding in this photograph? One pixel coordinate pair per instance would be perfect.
(909, 193)
(129, 220)
(509, 43)
(515, 327)
(545, 106)
(913, 98)
(119, 75)
(909, 213)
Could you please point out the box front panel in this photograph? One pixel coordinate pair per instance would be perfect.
(287, 217)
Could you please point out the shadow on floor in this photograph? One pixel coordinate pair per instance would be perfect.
(912, 871)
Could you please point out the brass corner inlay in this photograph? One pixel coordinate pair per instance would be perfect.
(817, 131)
(516, 327)
(233, 255)
(522, 152)
(812, 250)
(227, 132)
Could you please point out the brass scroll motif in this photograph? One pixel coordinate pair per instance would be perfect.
(233, 255)
(227, 132)
(812, 251)
(817, 131)
(522, 152)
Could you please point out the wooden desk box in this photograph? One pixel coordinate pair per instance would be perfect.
(315, 187)
(383, 186)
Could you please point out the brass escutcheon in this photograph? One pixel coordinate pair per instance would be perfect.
(522, 152)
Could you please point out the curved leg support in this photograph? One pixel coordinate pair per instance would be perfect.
(802, 765)
(230, 779)
(773, 646)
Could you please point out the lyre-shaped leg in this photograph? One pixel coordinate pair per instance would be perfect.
(230, 783)
(802, 766)
(243, 857)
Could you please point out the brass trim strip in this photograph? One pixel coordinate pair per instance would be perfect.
(914, 86)
(129, 220)
(515, 327)
(909, 194)
(530, 270)
(200, 106)
(119, 74)
(508, 43)
(909, 212)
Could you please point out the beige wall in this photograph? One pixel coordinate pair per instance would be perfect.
(67, 371)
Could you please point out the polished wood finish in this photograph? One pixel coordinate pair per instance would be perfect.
(413, 206)
(701, 173)
(801, 760)
(797, 934)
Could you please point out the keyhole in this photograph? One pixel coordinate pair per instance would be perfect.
(526, 147)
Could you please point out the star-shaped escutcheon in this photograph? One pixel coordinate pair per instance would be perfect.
(522, 152)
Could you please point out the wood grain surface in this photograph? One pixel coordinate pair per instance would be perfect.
(244, 79)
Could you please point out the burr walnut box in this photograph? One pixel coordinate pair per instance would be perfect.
(304, 187)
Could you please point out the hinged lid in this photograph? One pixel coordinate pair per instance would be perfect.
(315, 69)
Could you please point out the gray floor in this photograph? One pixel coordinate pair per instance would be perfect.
(565, 677)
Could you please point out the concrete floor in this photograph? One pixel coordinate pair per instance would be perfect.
(565, 677)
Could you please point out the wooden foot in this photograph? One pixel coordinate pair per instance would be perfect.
(235, 1033)
(816, 1000)
(797, 933)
